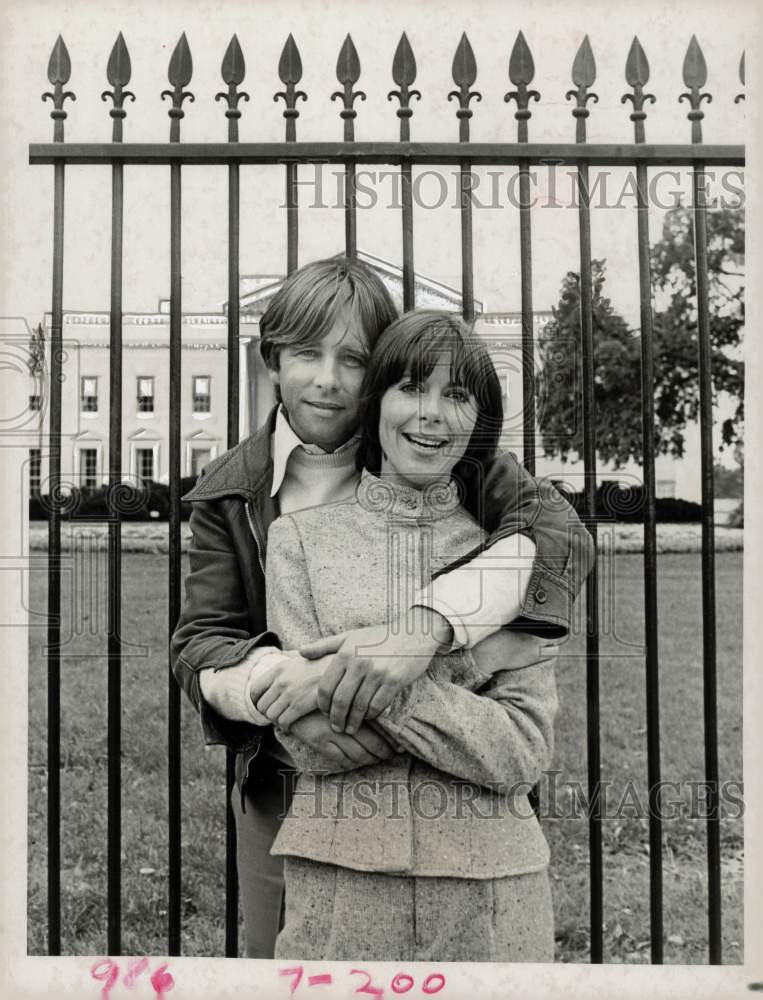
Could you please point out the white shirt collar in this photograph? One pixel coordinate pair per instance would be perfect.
(283, 442)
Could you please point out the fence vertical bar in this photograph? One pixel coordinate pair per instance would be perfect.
(115, 573)
(583, 76)
(521, 73)
(118, 74)
(695, 77)
(464, 74)
(180, 72)
(348, 74)
(404, 74)
(233, 71)
(173, 912)
(59, 71)
(290, 73)
(231, 873)
(637, 75)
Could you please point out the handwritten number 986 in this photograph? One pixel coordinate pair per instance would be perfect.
(107, 973)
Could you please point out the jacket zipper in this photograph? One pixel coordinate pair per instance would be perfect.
(258, 543)
(255, 535)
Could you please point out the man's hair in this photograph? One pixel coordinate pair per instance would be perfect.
(307, 304)
(410, 348)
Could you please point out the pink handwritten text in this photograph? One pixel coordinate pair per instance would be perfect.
(402, 982)
(106, 971)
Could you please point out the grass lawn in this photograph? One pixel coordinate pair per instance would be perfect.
(144, 770)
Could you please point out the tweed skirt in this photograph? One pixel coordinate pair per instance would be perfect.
(335, 913)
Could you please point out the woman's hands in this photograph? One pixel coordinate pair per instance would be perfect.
(323, 749)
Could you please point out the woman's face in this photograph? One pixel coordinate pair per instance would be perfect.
(425, 427)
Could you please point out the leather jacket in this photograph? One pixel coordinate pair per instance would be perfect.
(224, 614)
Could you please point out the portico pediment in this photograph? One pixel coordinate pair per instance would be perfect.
(144, 434)
(428, 294)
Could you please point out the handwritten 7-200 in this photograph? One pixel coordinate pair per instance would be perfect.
(401, 983)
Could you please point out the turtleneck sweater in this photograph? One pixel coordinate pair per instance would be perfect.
(316, 478)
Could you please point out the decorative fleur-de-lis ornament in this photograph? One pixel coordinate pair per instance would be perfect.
(59, 71)
(290, 73)
(740, 97)
(348, 74)
(179, 74)
(233, 71)
(118, 74)
(464, 74)
(637, 76)
(695, 78)
(583, 76)
(404, 74)
(521, 73)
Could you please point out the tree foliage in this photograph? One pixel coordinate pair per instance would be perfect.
(617, 349)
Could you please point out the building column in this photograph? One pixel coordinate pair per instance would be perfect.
(244, 408)
(252, 349)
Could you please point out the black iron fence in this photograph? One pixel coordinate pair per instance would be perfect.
(405, 153)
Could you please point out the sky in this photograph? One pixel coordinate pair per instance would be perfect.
(553, 32)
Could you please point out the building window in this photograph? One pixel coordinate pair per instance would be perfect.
(35, 470)
(665, 488)
(199, 458)
(88, 394)
(88, 468)
(144, 463)
(35, 402)
(201, 400)
(503, 379)
(145, 394)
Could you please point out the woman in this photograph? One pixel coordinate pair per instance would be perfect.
(433, 854)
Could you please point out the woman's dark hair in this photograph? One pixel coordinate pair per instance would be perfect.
(410, 348)
(307, 304)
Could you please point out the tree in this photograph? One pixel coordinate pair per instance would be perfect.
(617, 349)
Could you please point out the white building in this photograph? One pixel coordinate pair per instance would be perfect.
(146, 384)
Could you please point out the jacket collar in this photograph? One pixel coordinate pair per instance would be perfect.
(244, 470)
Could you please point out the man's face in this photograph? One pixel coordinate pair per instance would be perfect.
(320, 383)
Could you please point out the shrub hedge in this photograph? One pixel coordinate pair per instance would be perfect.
(147, 504)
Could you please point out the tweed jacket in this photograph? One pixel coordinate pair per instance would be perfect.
(223, 616)
(453, 802)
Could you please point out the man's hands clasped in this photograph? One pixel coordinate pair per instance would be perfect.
(351, 676)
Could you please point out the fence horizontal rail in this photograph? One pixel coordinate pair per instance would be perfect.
(476, 153)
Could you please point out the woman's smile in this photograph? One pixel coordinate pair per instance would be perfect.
(431, 444)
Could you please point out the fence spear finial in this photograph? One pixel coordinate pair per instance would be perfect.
(583, 76)
(740, 97)
(404, 74)
(118, 72)
(348, 74)
(59, 71)
(637, 76)
(464, 74)
(233, 71)
(290, 73)
(179, 74)
(521, 73)
(695, 78)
